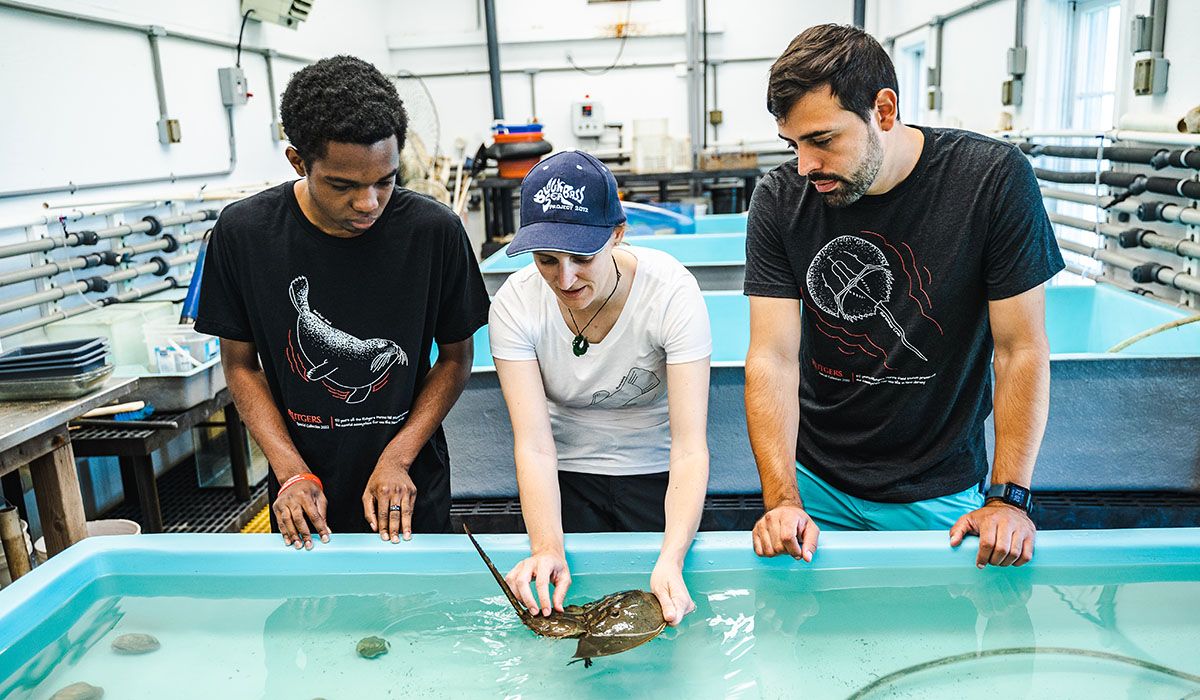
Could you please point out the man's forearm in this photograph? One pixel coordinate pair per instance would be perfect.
(1022, 402)
(262, 417)
(443, 385)
(773, 419)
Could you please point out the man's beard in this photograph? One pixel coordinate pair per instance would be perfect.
(852, 188)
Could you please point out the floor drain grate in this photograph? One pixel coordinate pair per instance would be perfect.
(188, 508)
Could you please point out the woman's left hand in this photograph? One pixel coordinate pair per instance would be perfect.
(666, 582)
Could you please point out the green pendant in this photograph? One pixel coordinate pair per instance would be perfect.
(579, 346)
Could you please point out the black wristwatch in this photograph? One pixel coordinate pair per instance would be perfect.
(1012, 494)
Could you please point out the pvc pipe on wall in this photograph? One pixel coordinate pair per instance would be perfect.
(109, 257)
(83, 237)
(1133, 181)
(126, 296)
(159, 265)
(1160, 273)
(1143, 237)
(1157, 157)
(1146, 210)
(1166, 137)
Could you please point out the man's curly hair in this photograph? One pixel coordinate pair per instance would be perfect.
(343, 99)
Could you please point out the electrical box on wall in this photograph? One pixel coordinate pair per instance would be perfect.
(233, 86)
(1150, 76)
(169, 131)
(288, 13)
(1010, 92)
(587, 118)
(1017, 56)
(1141, 34)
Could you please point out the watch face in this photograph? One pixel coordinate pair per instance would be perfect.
(1017, 494)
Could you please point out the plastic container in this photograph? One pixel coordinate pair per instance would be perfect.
(177, 391)
(651, 146)
(517, 133)
(178, 347)
(95, 528)
(121, 324)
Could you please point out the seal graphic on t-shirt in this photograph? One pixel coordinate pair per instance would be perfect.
(351, 368)
(850, 279)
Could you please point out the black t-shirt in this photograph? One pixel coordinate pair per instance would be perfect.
(344, 328)
(895, 347)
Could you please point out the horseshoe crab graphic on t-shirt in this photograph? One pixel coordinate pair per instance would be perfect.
(635, 385)
(350, 368)
(852, 280)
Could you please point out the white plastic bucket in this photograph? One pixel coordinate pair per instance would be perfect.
(95, 528)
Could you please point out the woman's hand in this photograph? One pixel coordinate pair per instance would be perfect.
(541, 570)
(666, 582)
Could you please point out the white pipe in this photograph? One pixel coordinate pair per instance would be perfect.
(199, 195)
(1170, 212)
(1168, 139)
(72, 215)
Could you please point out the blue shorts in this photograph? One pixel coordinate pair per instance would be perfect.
(835, 510)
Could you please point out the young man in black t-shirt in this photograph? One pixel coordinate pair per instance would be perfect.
(329, 293)
(915, 252)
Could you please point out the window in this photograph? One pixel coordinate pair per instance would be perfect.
(1089, 104)
(1093, 78)
(910, 71)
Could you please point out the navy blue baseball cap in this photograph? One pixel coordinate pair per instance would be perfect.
(569, 204)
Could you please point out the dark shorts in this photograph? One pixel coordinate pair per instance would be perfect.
(594, 503)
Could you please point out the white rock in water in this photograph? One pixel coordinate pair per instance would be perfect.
(79, 691)
(135, 644)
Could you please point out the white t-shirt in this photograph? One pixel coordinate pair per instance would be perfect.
(608, 408)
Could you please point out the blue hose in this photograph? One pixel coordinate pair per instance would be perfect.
(191, 302)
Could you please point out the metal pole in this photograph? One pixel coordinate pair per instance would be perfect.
(860, 13)
(160, 90)
(532, 95)
(493, 49)
(695, 80)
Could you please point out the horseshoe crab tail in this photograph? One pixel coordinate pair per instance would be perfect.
(521, 611)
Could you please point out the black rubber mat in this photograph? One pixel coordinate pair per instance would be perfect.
(188, 508)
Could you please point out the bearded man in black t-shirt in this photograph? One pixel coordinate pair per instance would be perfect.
(915, 252)
(329, 293)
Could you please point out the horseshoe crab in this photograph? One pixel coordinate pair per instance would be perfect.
(617, 622)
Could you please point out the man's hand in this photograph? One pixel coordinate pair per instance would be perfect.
(388, 500)
(545, 569)
(666, 582)
(786, 528)
(300, 504)
(1005, 534)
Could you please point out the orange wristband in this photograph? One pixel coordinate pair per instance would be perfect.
(305, 476)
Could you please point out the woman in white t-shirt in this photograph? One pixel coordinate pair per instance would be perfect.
(586, 341)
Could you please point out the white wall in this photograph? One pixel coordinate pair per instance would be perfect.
(974, 66)
(538, 34)
(80, 101)
(975, 46)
